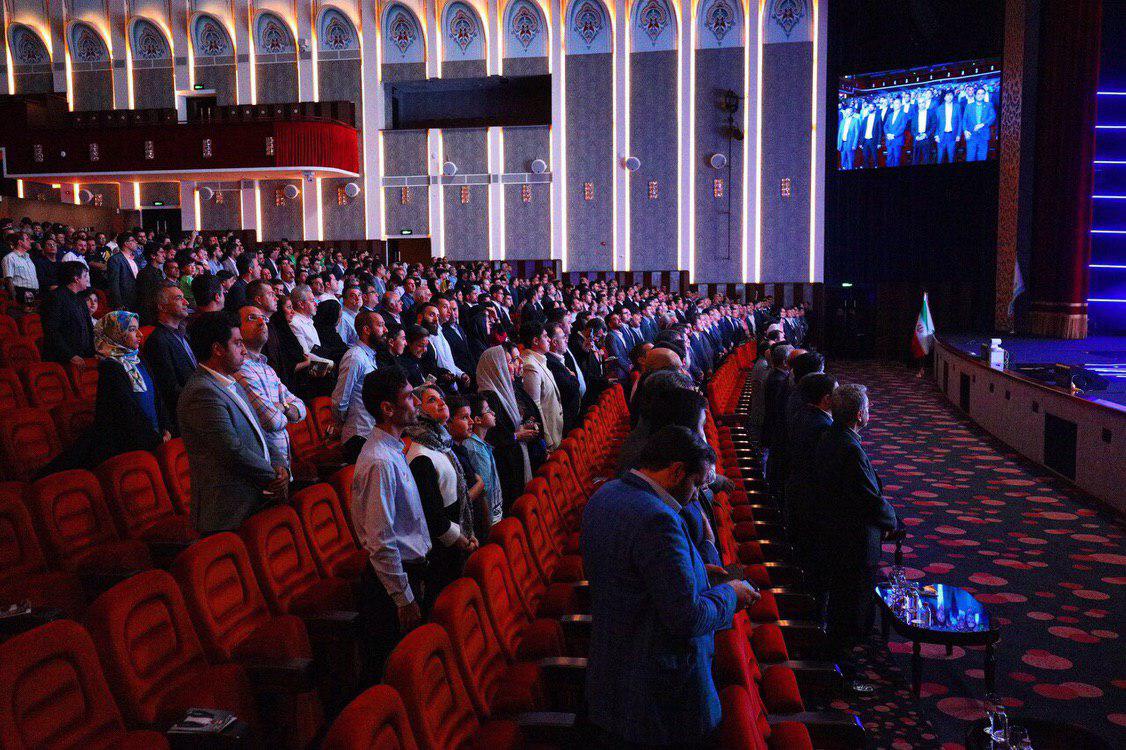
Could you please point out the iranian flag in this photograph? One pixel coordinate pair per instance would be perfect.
(924, 332)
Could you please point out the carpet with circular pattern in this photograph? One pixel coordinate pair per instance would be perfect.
(1050, 566)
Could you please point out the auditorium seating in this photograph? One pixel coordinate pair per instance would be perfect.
(47, 384)
(24, 573)
(18, 352)
(173, 460)
(331, 543)
(28, 442)
(136, 494)
(12, 395)
(53, 695)
(72, 419)
(376, 720)
(76, 527)
(84, 378)
(9, 328)
(153, 658)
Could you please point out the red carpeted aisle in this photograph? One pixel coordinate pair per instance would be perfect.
(1049, 565)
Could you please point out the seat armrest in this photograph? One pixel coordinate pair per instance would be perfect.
(333, 624)
(817, 680)
(292, 676)
(565, 678)
(803, 637)
(236, 736)
(830, 730)
(95, 584)
(576, 633)
(21, 623)
(774, 551)
(784, 574)
(550, 728)
(163, 553)
(792, 603)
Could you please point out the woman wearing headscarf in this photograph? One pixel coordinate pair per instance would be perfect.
(517, 439)
(443, 488)
(128, 413)
(325, 320)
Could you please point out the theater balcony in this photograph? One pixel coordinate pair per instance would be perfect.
(269, 141)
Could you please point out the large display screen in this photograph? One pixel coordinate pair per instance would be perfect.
(939, 114)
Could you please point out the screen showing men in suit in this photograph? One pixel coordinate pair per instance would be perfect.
(935, 115)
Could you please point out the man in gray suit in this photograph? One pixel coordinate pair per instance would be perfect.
(232, 477)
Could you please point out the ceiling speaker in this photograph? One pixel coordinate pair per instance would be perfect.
(291, 191)
(718, 161)
(449, 169)
(539, 166)
(351, 190)
(206, 193)
(632, 163)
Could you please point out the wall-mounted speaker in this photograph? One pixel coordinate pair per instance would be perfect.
(351, 190)
(539, 166)
(449, 169)
(291, 191)
(718, 161)
(632, 163)
(206, 193)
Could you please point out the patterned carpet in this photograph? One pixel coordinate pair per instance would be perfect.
(1048, 564)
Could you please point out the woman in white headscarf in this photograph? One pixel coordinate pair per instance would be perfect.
(517, 439)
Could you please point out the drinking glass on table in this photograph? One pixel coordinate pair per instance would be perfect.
(998, 728)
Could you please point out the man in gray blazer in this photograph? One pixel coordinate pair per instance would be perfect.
(231, 474)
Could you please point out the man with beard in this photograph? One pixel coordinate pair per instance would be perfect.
(347, 397)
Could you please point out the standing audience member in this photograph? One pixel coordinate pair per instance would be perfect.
(570, 397)
(853, 516)
(774, 414)
(480, 453)
(347, 396)
(19, 268)
(327, 321)
(128, 412)
(167, 351)
(516, 431)
(654, 611)
(389, 520)
(274, 404)
(150, 279)
(304, 308)
(209, 294)
(232, 476)
(539, 383)
(68, 331)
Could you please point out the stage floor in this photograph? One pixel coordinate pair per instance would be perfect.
(1102, 355)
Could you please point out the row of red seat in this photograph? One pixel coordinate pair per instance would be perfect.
(29, 325)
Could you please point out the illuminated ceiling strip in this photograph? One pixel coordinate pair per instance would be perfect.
(758, 143)
(815, 107)
(1108, 231)
(1114, 266)
(1107, 299)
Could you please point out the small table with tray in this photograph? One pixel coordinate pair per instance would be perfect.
(940, 614)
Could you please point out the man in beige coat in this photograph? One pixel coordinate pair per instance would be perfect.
(540, 384)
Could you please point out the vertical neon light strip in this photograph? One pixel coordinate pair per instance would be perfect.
(560, 169)
(627, 27)
(320, 211)
(257, 212)
(191, 52)
(315, 58)
(137, 196)
(69, 76)
(745, 197)
(813, 108)
(198, 215)
(692, 148)
(251, 49)
(616, 116)
(129, 61)
(379, 157)
(441, 146)
(77, 200)
(19, 188)
(11, 63)
(679, 94)
(758, 141)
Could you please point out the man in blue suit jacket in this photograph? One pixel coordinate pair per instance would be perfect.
(617, 345)
(654, 612)
(895, 125)
(976, 120)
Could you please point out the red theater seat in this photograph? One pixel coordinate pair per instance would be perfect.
(77, 529)
(12, 395)
(173, 460)
(334, 549)
(495, 686)
(341, 481)
(540, 596)
(285, 567)
(375, 720)
(72, 419)
(47, 384)
(18, 352)
(153, 659)
(9, 328)
(53, 695)
(84, 379)
(28, 442)
(423, 671)
(31, 326)
(24, 575)
(135, 493)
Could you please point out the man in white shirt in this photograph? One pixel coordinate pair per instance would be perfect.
(304, 307)
(389, 520)
(19, 268)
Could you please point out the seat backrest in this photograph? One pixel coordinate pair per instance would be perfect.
(84, 379)
(222, 594)
(134, 491)
(301, 437)
(488, 567)
(422, 669)
(327, 532)
(513, 539)
(375, 720)
(47, 384)
(53, 693)
(320, 415)
(739, 729)
(71, 513)
(12, 395)
(279, 555)
(28, 442)
(460, 610)
(341, 481)
(72, 418)
(31, 326)
(19, 352)
(9, 328)
(173, 460)
(541, 545)
(146, 642)
(20, 551)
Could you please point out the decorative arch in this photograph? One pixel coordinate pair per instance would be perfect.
(589, 28)
(654, 26)
(210, 38)
(525, 30)
(788, 21)
(719, 24)
(403, 40)
(147, 41)
(27, 46)
(463, 35)
(86, 44)
(272, 36)
(336, 33)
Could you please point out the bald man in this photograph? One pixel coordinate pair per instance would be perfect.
(659, 359)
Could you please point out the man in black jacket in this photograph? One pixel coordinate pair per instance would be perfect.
(565, 380)
(121, 273)
(854, 517)
(149, 281)
(454, 334)
(167, 351)
(68, 332)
